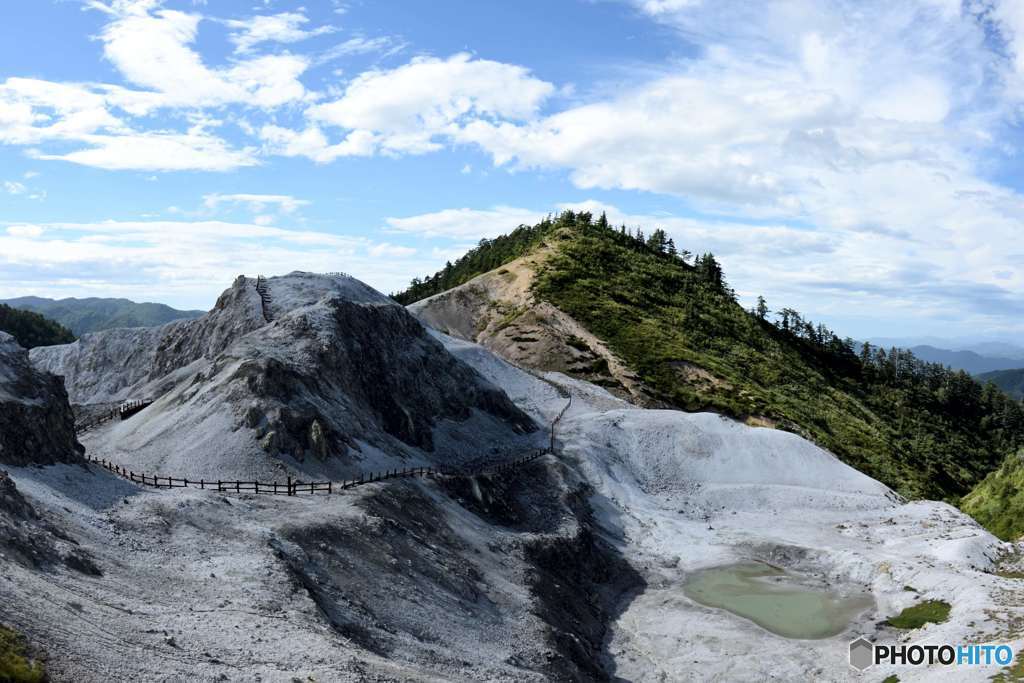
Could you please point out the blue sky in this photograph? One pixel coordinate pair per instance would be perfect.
(855, 160)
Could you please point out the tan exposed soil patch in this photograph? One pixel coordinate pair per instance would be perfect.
(499, 311)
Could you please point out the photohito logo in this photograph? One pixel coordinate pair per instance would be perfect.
(864, 654)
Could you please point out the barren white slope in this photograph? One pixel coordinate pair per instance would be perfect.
(680, 492)
(198, 585)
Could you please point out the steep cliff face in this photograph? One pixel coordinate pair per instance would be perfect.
(36, 422)
(340, 381)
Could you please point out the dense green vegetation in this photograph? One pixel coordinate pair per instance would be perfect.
(1010, 381)
(921, 428)
(32, 329)
(916, 616)
(16, 665)
(93, 314)
(998, 501)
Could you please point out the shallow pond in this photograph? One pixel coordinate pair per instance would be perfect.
(775, 600)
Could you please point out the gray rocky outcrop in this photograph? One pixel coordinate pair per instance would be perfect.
(341, 375)
(37, 426)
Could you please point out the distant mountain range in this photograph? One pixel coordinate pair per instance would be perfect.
(970, 361)
(94, 314)
(1010, 381)
(990, 348)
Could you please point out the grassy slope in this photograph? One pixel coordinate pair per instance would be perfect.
(16, 664)
(660, 316)
(998, 501)
(630, 300)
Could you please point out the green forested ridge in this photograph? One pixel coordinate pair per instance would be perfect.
(32, 329)
(82, 316)
(923, 429)
(998, 501)
(1010, 381)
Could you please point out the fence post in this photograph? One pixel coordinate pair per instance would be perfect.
(238, 486)
(329, 488)
(289, 484)
(218, 486)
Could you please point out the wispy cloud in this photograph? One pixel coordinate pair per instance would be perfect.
(257, 203)
(190, 262)
(471, 224)
(385, 46)
(286, 27)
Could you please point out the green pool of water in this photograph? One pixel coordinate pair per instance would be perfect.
(774, 600)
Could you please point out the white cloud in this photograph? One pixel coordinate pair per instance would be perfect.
(193, 150)
(385, 249)
(465, 223)
(257, 203)
(312, 143)
(360, 45)
(190, 263)
(657, 7)
(285, 27)
(14, 187)
(27, 231)
(152, 48)
(788, 101)
(1009, 16)
(406, 109)
(33, 110)
(873, 122)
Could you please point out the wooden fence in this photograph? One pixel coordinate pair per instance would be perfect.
(293, 487)
(123, 412)
(554, 423)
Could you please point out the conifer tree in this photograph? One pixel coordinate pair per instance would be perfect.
(762, 308)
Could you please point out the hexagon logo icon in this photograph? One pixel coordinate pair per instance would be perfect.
(862, 653)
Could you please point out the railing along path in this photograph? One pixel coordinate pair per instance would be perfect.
(292, 487)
